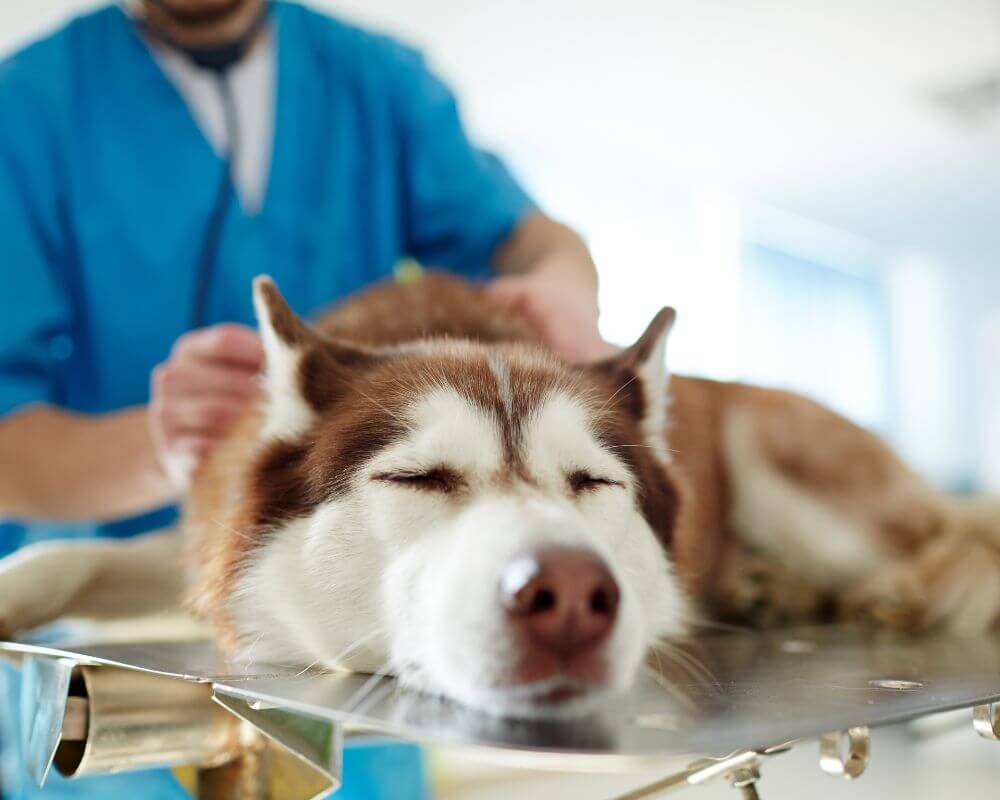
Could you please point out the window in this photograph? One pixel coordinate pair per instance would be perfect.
(819, 330)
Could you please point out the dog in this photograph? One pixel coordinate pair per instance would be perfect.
(425, 490)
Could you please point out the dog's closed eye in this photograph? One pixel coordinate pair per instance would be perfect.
(436, 479)
(580, 480)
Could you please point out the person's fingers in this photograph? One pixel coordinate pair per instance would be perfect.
(202, 415)
(508, 290)
(503, 283)
(197, 377)
(586, 350)
(572, 336)
(230, 343)
(567, 321)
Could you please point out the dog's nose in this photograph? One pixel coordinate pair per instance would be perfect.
(564, 598)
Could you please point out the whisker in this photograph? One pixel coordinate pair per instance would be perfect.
(249, 653)
(356, 644)
(617, 392)
(647, 446)
(367, 687)
(392, 414)
(714, 625)
(375, 697)
(242, 534)
(659, 661)
(674, 690)
(304, 670)
(684, 659)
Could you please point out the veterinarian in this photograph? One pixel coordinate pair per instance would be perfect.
(154, 157)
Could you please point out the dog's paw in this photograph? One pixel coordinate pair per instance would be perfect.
(758, 591)
(892, 598)
(952, 584)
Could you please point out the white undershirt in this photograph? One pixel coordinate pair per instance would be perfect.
(252, 81)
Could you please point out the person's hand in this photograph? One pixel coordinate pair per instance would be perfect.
(198, 391)
(564, 309)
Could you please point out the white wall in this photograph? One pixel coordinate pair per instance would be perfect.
(989, 400)
(20, 21)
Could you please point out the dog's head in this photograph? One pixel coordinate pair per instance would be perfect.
(483, 521)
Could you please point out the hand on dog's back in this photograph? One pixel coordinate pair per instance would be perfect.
(198, 391)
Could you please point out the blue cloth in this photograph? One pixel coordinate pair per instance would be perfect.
(107, 183)
(106, 186)
(376, 770)
(17, 784)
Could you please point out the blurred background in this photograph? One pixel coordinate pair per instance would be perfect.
(815, 185)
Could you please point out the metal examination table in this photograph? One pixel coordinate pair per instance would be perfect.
(717, 711)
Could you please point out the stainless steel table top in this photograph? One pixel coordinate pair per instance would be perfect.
(726, 692)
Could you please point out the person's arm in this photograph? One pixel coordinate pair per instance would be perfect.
(53, 464)
(540, 243)
(58, 465)
(547, 272)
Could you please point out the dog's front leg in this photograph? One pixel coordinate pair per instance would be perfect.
(94, 578)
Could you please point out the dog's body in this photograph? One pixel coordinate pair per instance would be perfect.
(425, 490)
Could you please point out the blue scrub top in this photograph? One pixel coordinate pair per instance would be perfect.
(107, 183)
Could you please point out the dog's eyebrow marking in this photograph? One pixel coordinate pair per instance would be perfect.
(501, 372)
(509, 425)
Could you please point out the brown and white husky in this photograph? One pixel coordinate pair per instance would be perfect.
(425, 489)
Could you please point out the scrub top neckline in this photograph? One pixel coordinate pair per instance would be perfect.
(207, 152)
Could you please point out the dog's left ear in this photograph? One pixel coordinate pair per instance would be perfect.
(304, 369)
(647, 358)
(643, 375)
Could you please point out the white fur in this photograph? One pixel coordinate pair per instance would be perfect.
(286, 413)
(654, 377)
(786, 521)
(422, 569)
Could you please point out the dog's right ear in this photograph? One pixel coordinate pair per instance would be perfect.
(642, 370)
(302, 366)
(282, 331)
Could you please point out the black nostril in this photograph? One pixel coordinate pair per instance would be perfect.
(600, 603)
(544, 600)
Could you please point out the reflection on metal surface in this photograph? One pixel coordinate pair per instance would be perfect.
(45, 686)
(986, 721)
(901, 686)
(833, 759)
(663, 722)
(312, 766)
(746, 693)
(721, 693)
(136, 720)
(188, 660)
(794, 646)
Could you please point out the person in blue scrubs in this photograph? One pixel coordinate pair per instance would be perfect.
(136, 205)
